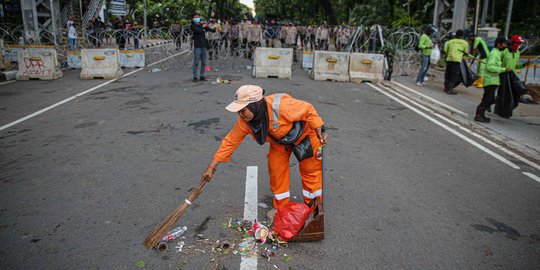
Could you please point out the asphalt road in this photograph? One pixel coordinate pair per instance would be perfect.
(83, 183)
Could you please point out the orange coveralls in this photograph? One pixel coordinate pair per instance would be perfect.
(283, 110)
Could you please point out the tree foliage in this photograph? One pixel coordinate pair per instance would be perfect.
(374, 12)
(167, 11)
(366, 12)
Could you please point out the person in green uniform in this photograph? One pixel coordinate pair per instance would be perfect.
(494, 67)
(510, 56)
(480, 50)
(426, 47)
(510, 59)
(454, 50)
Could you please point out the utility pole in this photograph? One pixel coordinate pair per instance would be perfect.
(485, 6)
(144, 19)
(436, 13)
(508, 17)
(460, 14)
(477, 13)
(492, 13)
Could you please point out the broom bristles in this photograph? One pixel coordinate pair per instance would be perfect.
(155, 236)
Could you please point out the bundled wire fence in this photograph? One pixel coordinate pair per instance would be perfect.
(235, 49)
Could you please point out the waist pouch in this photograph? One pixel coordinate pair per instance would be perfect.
(292, 136)
(302, 150)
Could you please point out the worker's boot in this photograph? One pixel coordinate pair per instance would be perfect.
(479, 83)
(480, 117)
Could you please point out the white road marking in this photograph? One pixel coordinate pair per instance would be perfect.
(2, 83)
(461, 136)
(471, 132)
(250, 211)
(534, 177)
(432, 100)
(81, 94)
(165, 59)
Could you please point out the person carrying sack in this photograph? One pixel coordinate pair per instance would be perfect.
(454, 50)
(492, 81)
(290, 126)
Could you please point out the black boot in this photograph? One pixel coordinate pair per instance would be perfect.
(480, 117)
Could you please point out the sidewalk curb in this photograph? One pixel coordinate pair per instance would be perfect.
(155, 44)
(527, 152)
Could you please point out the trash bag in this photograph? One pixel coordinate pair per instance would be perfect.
(506, 101)
(467, 75)
(518, 87)
(290, 219)
(435, 55)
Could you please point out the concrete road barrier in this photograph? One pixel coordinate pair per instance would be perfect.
(12, 54)
(330, 66)
(366, 67)
(132, 58)
(100, 64)
(74, 59)
(307, 60)
(4, 63)
(38, 63)
(273, 62)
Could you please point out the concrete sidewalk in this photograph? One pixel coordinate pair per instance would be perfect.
(523, 128)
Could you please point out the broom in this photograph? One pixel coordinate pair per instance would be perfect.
(155, 236)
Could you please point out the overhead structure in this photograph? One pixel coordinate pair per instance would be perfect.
(43, 22)
(39, 17)
(450, 12)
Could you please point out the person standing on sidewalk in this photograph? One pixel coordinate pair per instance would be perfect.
(454, 50)
(72, 34)
(480, 49)
(492, 81)
(322, 35)
(176, 30)
(272, 35)
(200, 45)
(289, 35)
(213, 38)
(255, 37)
(426, 47)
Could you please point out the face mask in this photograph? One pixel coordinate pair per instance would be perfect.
(196, 20)
(515, 46)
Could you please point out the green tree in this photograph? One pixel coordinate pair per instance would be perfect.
(168, 11)
(373, 12)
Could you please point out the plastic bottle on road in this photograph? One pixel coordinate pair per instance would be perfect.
(173, 234)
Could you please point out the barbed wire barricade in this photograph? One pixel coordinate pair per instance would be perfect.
(235, 52)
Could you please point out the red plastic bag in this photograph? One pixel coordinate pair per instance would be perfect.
(290, 219)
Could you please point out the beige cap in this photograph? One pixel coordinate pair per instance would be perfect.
(244, 95)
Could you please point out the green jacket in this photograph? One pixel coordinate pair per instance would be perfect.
(481, 47)
(511, 60)
(455, 49)
(425, 42)
(494, 68)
